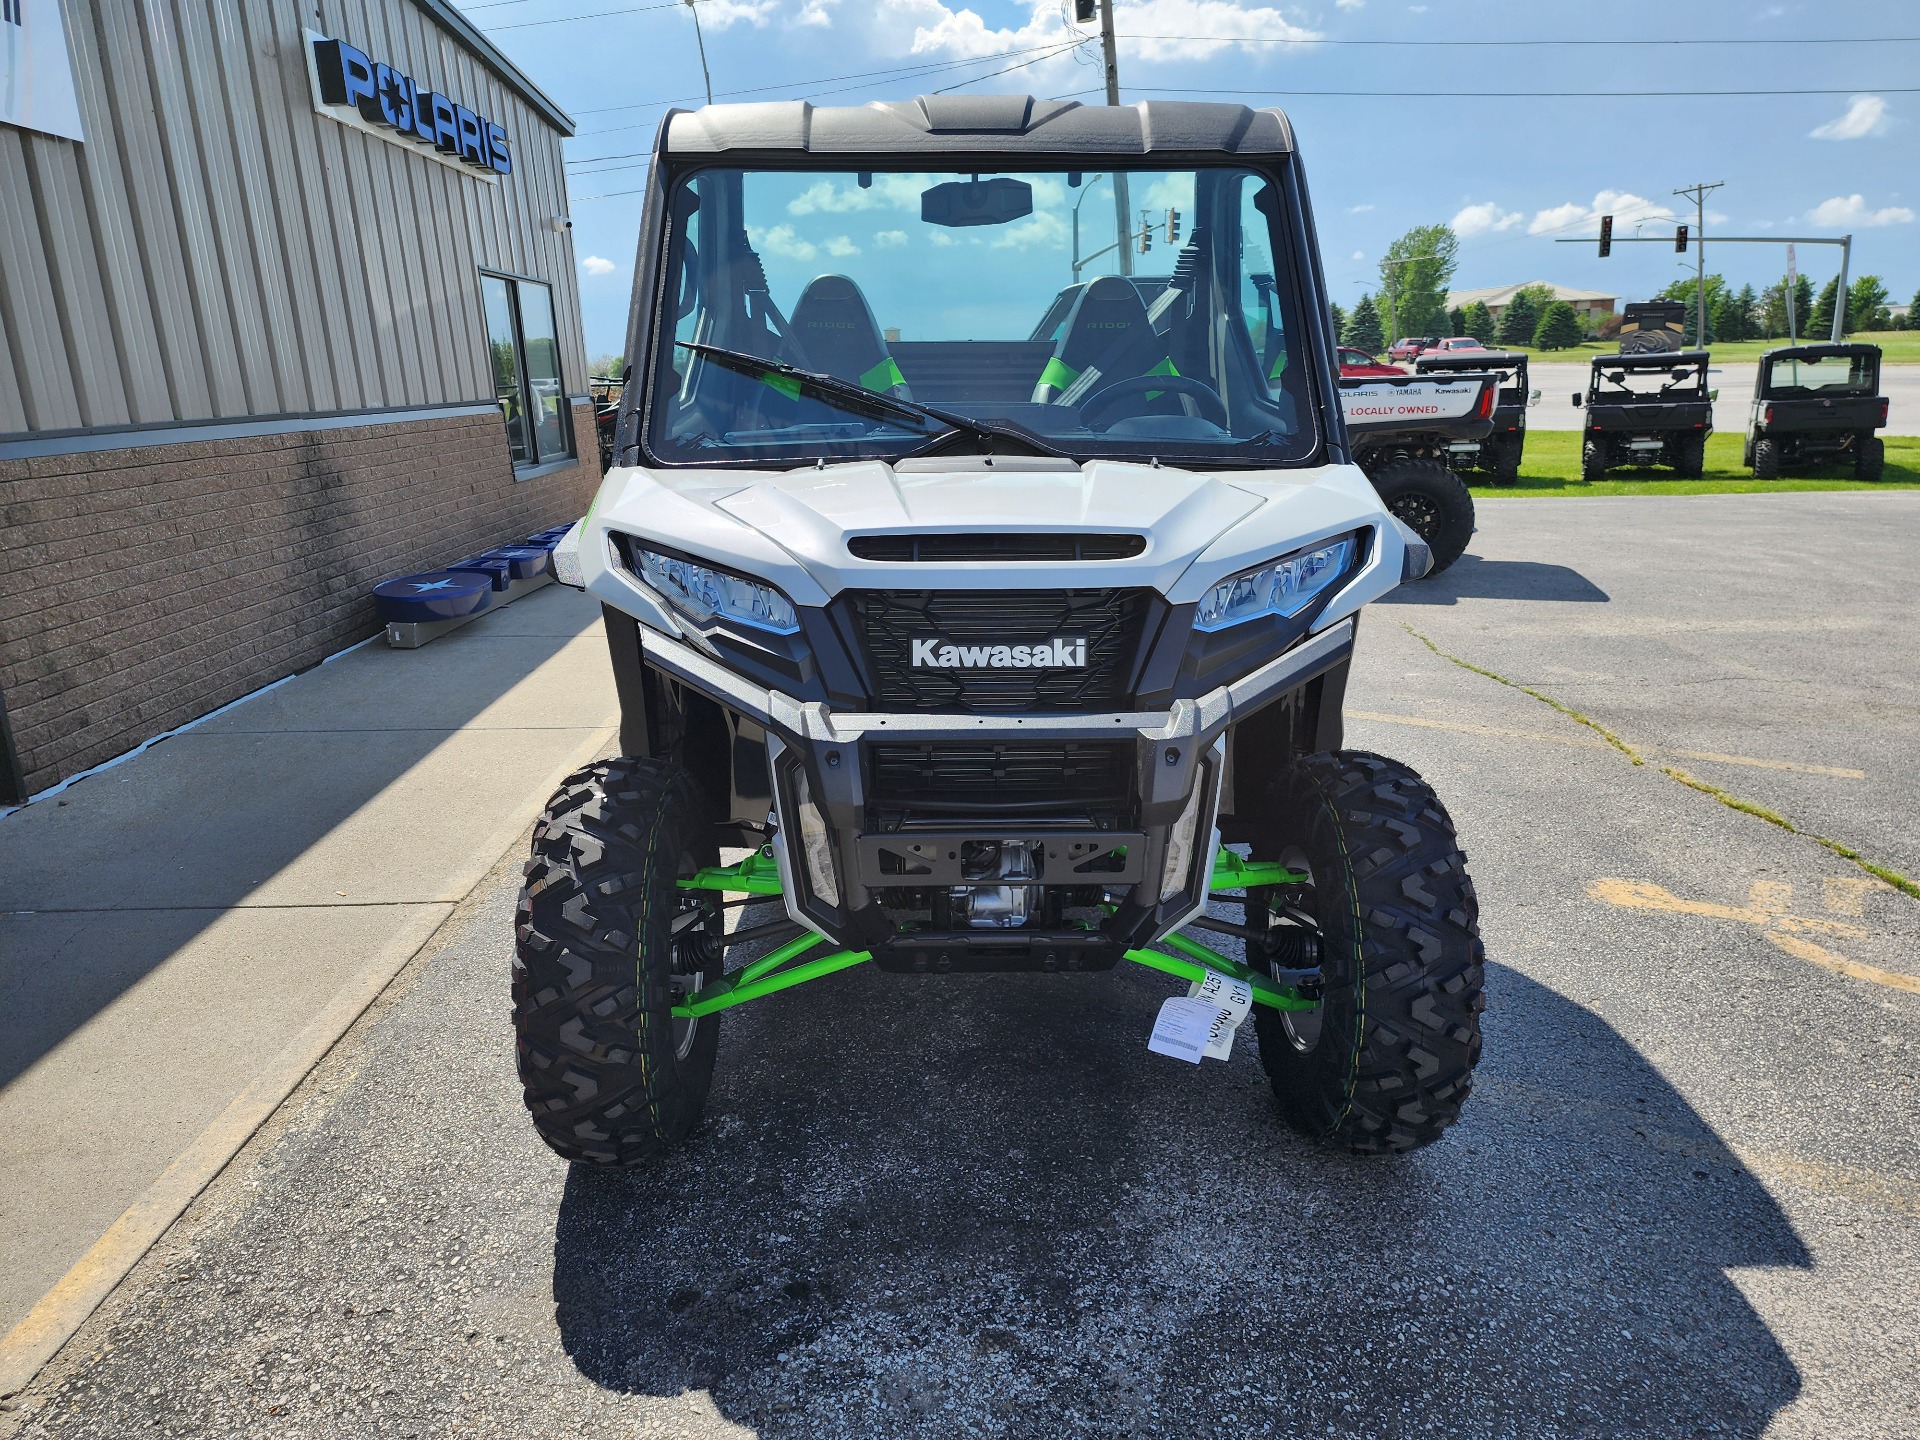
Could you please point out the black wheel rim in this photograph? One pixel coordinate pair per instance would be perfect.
(1296, 904)
(1419, 512)
(695, 954)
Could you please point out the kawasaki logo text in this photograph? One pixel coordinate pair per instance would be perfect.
(1059, 651)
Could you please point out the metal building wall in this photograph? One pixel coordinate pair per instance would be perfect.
(215, 248)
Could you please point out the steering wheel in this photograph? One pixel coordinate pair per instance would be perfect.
(1210, 405)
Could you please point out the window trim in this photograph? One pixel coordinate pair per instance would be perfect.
(539, 464)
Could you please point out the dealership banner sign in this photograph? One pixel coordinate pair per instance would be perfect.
(36, 75)
(356, 89)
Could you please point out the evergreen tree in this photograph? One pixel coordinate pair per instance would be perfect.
(1456, 321)
(1339, 325)
(1363, 328)
(1867, 304)
(1559, 328)
(1740, 314)
(1821, 324)
(1520, 319)
(1477, 321)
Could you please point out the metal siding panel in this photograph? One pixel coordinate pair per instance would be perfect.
(276, 97)
(162, 278)
(387, 196)
(13, 409)
(145, 397)
(26, 297)
(192, 207)
(78, 292)
(246, 138)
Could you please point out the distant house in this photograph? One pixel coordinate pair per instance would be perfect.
(1496, 297)
(1900, 312)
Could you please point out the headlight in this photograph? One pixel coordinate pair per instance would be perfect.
(1280, 587)
(703, 593)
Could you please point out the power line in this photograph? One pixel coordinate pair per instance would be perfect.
(1019, 65)
(1405, 93)
(1505, 44)
(899, 70)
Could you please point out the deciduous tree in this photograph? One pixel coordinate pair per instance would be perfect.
(1414, 274)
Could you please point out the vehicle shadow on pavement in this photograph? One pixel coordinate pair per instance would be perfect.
(1471, 578)
(191, 850)
(978, 1204)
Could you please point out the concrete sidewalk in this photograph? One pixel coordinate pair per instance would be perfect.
(183, 935)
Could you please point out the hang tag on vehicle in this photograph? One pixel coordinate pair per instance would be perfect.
(1232, 1001)
(1183, 1029)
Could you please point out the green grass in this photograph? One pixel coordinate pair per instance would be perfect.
(1551, 466)
(1897, 347)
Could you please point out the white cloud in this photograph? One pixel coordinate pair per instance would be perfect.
(1349, 4)
(1844, 210)
(887, 192)
(890, 239)
(840, 246)
(815, 12)
(1359, 254)
(598, 265)
(1484, 219)
(1866, 115)
(1178, 30)
(724, 14)
(782, 240)
(941, 239)
(1044, 229)
(1626, 208)
(1358, 209)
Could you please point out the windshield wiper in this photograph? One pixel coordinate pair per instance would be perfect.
(858, 400)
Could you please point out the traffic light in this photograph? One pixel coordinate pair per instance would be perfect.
(1173, 227)
(1606, 236)
(1680, 240)
(1084, 11)
(1146, 233)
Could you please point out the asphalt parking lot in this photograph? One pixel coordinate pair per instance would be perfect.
(1684, 1201)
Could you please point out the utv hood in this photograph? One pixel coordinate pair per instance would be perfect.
(791, 528)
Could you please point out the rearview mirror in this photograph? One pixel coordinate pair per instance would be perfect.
(960, 203)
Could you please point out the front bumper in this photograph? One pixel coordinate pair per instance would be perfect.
(818, 761)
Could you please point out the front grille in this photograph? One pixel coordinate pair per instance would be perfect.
(999, 778)
(1109, 621)
(906, 549)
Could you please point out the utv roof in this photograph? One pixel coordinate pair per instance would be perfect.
(1469, 360)
(1651, 360)
(1014, 124)
(1815, 352)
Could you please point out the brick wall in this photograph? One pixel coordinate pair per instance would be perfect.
(143, 587)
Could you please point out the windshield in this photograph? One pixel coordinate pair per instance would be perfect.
(1616, 381)
(1825, 374)
(981, 310)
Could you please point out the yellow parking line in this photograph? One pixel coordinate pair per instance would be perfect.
(1767, 912)
(1836, 772)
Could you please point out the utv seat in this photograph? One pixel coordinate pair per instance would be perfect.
(839, 336)
(1107, 337)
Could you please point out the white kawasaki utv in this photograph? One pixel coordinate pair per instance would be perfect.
(982, 555)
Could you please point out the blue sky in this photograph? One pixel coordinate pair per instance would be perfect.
(1512, 174)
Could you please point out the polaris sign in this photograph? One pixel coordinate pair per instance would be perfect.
(1057, 654)
(352, 87)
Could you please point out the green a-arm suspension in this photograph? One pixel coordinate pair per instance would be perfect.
(788, 965)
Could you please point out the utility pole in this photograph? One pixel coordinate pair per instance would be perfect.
(701, 41)
(1122, 209)
(1699, 194)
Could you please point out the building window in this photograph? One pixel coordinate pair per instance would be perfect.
(524, 348)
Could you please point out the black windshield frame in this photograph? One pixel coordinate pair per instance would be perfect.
(1320, 438)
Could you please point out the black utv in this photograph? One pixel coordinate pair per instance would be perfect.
(1497, 453)
(1817, 405)
(1650, 409)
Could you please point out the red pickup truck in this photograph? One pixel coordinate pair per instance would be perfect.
(1412, 347)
